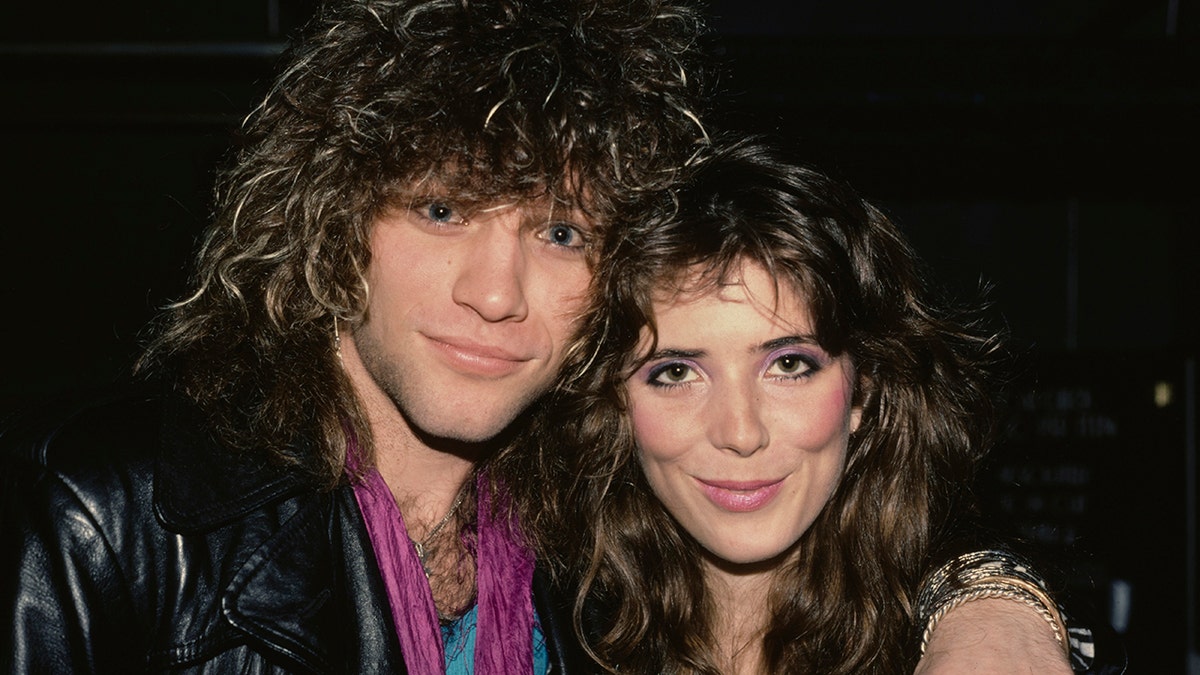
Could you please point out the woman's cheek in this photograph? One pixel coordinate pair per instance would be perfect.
(657, 430)
(825, 419)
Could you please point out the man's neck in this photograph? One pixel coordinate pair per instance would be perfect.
(424, 479)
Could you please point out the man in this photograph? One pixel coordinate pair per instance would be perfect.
(398, 255)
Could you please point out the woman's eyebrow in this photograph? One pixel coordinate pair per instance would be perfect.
(787, 341)
(676, 354)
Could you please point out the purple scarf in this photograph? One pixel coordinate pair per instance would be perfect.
(504, 574)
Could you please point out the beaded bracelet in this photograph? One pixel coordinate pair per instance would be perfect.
(986, 574)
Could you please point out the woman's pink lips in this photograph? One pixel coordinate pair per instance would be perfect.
(740, 496)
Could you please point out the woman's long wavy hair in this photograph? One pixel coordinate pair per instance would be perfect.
(845, 602)
(589, 103)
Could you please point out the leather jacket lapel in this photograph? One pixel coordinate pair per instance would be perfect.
(282, 594)
(312, 593)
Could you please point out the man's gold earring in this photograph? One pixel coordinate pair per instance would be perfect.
(337, 339)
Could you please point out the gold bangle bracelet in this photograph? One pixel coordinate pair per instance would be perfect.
(987, 574)
(999, 589)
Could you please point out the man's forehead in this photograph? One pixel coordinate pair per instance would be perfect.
(473, 192)
(480, 175)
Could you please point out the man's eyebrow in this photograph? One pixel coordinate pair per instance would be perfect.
(569, 213)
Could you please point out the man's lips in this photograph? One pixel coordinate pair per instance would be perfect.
(475, 358)
(740, 496)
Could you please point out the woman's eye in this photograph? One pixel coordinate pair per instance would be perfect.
(671, 374)
(790, 365)
(565, 235)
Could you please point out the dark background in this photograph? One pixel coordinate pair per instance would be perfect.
(1046, 148)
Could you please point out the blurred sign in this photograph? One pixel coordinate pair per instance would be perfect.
(1098, 470)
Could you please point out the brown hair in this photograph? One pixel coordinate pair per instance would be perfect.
(924, 386)
(591, 103)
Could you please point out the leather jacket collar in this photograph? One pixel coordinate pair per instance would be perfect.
(199, 485)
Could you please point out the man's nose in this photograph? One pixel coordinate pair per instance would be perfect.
(491, 278)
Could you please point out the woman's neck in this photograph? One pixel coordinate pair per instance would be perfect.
(741, 599)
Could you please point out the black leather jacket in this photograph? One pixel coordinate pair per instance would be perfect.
(131, 542)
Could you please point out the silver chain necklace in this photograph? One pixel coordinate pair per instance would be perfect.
(420, 546)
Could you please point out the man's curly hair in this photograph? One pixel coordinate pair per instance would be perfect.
(587, 103)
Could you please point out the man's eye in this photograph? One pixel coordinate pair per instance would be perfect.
(565, 235)
(441, 213)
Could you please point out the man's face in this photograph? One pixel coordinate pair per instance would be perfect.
(469, 312)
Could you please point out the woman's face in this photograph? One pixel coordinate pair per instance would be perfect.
(741, 419)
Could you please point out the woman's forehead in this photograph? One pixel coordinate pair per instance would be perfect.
(697, 280)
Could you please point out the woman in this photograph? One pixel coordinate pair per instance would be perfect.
(775, 429)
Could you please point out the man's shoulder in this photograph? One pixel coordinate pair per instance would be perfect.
(78, 431)
(140, 444)
(80, 457)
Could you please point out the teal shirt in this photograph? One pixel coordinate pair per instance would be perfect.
(459, 641)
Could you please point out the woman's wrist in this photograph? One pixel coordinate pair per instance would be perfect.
(989, 574)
